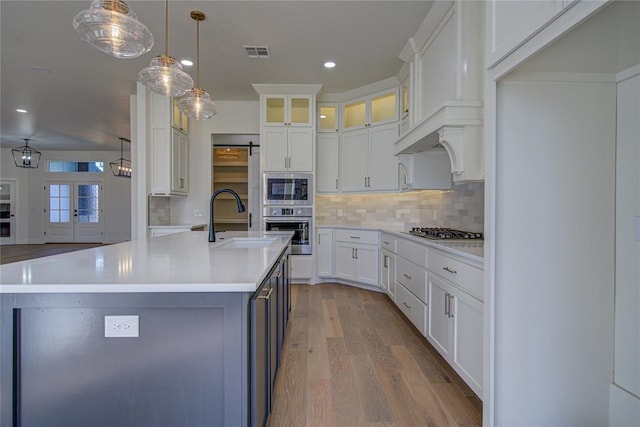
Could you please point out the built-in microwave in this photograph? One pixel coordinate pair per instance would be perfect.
(287, 189)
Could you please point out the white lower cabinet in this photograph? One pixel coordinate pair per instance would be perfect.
(412, 307)
(324, 252)
(388, 272)
(357, 262)
(455, 329)
(356, 256)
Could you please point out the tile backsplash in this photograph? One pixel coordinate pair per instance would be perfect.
(461, 208)
(159, 210)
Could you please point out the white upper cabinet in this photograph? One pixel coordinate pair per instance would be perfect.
(328, 167)
(511, 23)
(169, 149)
(368, 163)
(287, 110)
(373, 110)
(287, 130)
(287, 149)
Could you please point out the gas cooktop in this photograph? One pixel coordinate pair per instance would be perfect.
(437, 233)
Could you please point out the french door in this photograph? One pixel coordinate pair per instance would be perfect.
(73, 212)
(7, 212)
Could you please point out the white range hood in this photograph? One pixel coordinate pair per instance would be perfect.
(456, 128)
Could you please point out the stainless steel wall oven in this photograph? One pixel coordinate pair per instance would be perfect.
(296, 219)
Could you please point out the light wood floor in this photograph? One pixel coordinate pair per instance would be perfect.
(352, 359)
(15, 253)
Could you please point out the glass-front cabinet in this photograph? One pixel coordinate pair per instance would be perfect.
(328, 118)
(287, 110)
(405, 121)
(179, 120)
(372, 110)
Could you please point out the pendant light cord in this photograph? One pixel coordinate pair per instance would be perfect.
(198, 53)
(166, 30)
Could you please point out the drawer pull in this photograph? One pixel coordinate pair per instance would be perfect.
(407, 276)
(449, 270)
(406, 305)
(354, 237)
(386, 243)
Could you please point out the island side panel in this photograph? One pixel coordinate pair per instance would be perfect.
(190, 354)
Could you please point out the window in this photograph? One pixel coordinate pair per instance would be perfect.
(66, 166)
(59, 203)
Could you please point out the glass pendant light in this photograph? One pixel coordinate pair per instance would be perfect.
(197, 103)
(25, 156)
(164, 75)
(111, 27)
(122, 166)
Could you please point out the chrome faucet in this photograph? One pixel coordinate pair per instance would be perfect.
(212, 232)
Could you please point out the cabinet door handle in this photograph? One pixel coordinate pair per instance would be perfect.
(384, 261)
(181, 182)
(451, 297)
(267, 296)
(407, 276)
(353, 253)
(250, 218)
(450, 270)
(446, 304)
(336, 183)
(319, 239)
(356, 253)
(406, 305)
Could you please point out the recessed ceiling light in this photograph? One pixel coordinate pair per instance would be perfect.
(329, 64)
(187, 62)
(21, 110)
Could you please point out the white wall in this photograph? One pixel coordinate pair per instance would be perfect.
(554, 253)
(234, 117)
(30, 194)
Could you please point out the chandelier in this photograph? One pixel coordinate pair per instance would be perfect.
(197, 103)
(111, 27)
(25, 156)
(122, 166)
(164, 75)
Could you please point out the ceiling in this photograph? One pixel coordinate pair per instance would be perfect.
(78, 98)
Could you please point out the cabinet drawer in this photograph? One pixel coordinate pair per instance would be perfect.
(466, 276)
(388, 242)
(414, 252)
(414, 309)
(357, 236)
(412, 277)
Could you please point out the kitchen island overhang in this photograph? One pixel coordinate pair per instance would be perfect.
(194, 335)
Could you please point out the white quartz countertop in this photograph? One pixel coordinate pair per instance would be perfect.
(182, 262)
(472, 250)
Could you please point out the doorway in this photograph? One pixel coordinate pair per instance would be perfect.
(7, 212)
(73, 212)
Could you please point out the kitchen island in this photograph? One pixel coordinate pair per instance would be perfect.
(166, 331)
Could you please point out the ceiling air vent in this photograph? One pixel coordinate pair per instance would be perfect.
(257, 51)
